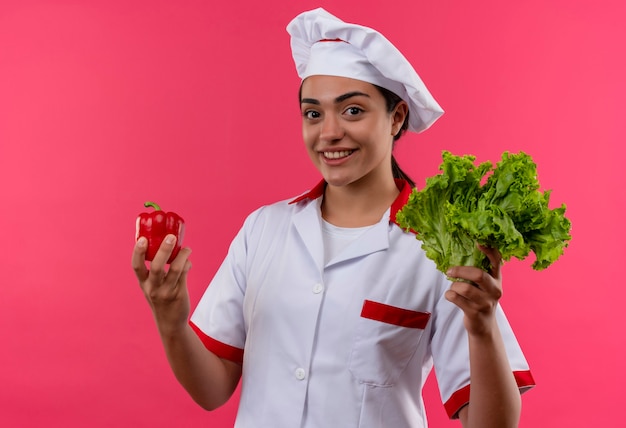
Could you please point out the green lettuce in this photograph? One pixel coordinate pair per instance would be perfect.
(502, 207)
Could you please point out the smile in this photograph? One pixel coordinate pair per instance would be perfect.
(338, 155)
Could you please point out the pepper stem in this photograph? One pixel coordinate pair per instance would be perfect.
(153, 205)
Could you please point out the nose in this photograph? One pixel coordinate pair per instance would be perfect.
(331, 128)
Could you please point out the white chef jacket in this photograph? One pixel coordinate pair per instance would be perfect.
(348, 343)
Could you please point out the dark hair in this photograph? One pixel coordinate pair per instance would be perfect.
(392, 100)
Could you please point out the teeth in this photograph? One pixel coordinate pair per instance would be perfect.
(337, 155)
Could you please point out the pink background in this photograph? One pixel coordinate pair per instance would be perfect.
(193, 104)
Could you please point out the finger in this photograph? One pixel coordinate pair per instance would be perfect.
(495, 258)
(472, 300)
(138, 261)
(178, 268)
(481, 281)
(157, 267)
(468, 303)
(470, 274)
(467, 291)
(458, 299)
(182, 280)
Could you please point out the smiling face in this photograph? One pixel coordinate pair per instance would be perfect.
(348, 130)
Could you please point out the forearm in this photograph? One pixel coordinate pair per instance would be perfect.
(209, 380)
(494, 396)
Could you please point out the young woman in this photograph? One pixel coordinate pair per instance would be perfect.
(326, 310)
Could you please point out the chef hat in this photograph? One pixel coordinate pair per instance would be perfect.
(322, 44)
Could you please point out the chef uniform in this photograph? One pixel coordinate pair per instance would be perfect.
(340, 327)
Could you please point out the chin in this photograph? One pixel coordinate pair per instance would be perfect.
(339, 181)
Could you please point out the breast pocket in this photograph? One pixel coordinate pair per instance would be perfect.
(386, 338)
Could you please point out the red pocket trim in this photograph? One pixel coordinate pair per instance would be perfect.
(394, 315)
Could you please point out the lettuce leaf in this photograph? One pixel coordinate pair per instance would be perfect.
(501, 207)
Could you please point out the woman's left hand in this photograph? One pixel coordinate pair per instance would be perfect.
(478, 294)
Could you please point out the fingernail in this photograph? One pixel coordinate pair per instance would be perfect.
(169, 239)
(449, 272)
(141, 242)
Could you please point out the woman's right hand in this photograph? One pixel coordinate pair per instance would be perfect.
(209, 379)
(165, 289)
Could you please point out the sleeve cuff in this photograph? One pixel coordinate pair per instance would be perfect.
(220, 349)
(461, 397)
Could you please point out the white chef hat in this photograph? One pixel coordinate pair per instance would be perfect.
(322, 44)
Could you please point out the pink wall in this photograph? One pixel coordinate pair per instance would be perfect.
(105, 104)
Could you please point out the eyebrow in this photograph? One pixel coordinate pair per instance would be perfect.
(339, 99)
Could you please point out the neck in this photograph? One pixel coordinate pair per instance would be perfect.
(358, 204)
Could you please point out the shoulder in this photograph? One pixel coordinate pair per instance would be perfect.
(277, 214)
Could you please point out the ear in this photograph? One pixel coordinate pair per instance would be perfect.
(398, 115)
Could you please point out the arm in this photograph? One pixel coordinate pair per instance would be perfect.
(494, 396)
(208, 379)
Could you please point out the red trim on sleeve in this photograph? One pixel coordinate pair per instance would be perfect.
(524, 379)
(461, 397)
(393, 315)
(220, 349)
(457, 400)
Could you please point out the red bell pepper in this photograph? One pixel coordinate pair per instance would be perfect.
(155, 225)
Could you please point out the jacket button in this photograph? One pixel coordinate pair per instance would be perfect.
(300, 373)
(318, 288)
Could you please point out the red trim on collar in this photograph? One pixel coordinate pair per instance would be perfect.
(403, 186)
(405, 191)
(314, 193)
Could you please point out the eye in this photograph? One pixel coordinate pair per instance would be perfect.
(353, 111)
(311, 114)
